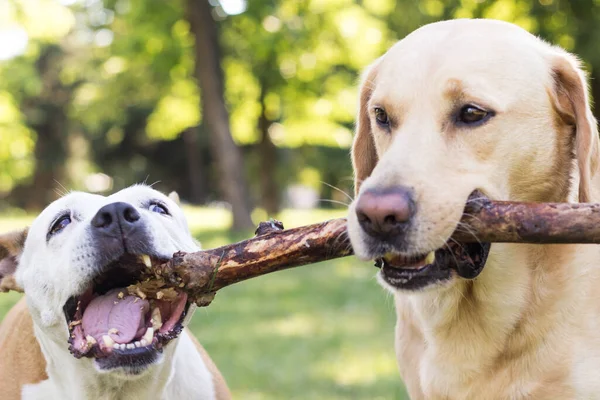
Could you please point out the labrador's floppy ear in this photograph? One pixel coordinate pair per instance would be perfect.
(573, 104)
(11, 246)
(364, 155)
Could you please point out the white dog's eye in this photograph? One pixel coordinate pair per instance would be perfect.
(158, 208)
(60, 224)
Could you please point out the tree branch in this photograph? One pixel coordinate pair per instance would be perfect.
(202, 273)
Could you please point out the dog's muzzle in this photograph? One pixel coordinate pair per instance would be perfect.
(385, 217)
(121, 321)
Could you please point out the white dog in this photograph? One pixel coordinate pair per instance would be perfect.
(97, 342)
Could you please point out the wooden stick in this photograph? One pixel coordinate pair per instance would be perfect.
(202, 273)
(513, 222)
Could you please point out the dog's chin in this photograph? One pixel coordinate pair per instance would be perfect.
(132, 365)
(436, 269)
(123, 322)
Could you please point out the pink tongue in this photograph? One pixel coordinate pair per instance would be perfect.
(108, 312)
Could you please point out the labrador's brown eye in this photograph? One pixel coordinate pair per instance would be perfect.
(381, 116)
(470, 114)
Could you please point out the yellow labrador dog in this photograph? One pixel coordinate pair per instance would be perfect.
(467, 105)
(79, 335)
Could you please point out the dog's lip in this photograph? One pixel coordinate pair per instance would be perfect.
(410, 279)
(112, 354)
(464, 260)
(133, 360)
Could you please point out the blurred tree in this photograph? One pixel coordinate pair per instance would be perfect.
(216, 117)
(112, 86)
(47, 115)
(291, 68)
(37, 85)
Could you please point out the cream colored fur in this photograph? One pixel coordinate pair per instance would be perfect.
(34, 358)
(529, 326)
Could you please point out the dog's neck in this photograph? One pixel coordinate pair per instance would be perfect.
(71, 378)
(478, 325)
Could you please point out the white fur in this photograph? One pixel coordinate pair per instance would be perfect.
(52, 271)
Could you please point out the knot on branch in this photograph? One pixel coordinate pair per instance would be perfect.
(269, 226)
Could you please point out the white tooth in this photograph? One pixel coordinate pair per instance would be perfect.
(143, 342)
(138, 344)
(108, 342)
(149, 335)
(90, 340)
(430, 258)
(122, 346)
(130, 346)
(139, 293)
(146, 260)
(156, 318)
(116, 346)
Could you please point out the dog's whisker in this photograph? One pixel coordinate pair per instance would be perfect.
(476, 199)
(451, 252)
(335, 202)
(339, 190)
(471, 216)
(62, 193)
(466, 228)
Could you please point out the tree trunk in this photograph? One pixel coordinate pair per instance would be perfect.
(194, 164)
(268, 161)
(50, 157)
(47, 115)
(214, 112)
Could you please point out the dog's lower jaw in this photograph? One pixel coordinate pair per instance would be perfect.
(131, 372)
(71, 378)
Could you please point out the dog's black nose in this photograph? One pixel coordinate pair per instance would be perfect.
(116, 218)
(385, 212)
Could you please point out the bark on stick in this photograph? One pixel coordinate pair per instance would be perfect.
(202, 273)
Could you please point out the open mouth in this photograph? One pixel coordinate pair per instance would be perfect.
(417, 272)
(123, 321)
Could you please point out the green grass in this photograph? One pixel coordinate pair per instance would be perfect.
(318, 332)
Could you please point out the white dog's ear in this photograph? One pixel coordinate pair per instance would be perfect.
(175, 197)
(571, 100)
(11, 246)
(364, 154)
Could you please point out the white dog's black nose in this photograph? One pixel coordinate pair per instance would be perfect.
(116, 219)
(385, 212)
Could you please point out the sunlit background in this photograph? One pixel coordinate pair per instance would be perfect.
(96, 95)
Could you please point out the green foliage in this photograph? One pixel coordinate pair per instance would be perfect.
(126, 71)
(17, 140)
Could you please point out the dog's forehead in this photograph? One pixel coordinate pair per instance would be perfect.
(472, 51)
(138, 194)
